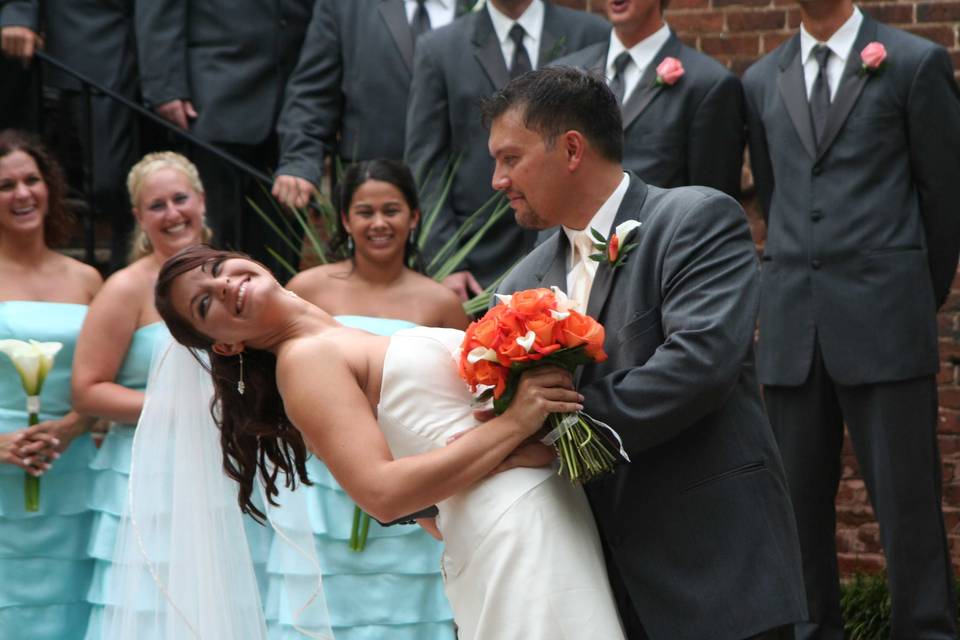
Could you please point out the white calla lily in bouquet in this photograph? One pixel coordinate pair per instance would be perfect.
(33, 361)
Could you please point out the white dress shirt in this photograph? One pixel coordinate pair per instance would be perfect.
(532, 23)
(602, 221)
(641, 55)
(441, 12)
(840, 44)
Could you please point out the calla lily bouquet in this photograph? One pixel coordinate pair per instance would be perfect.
(533, 328)
(33, 361)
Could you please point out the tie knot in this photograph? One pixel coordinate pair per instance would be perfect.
(516, 34)
(621, 61)
(822, 53)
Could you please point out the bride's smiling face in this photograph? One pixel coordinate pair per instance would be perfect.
(227, 299)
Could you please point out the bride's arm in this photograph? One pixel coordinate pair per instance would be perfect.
(336, 420)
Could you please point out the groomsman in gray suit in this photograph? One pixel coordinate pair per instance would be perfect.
(854, 132)
(347, 97)
(96, 39)
(454, 68)
(684, 127)
(219, 68)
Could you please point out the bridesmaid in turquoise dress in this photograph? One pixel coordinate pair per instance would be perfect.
(116, 345)
(393, 588)
(43, 296)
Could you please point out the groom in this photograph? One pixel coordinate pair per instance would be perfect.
(698, 529)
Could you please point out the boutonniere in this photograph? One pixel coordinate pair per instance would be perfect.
(558, 49)
(873, 57)
(669, 71)
(475, 6)
(614, 250)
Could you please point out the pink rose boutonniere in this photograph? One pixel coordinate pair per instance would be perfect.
(668, 72)
(614, 250)
(873, 57)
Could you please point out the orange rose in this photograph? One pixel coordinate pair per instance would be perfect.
(484, 332)
(545, 328)
(613, 248)
(532, 302)
(491, 374)
(580, 329)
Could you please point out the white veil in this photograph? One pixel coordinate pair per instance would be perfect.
(182, 566)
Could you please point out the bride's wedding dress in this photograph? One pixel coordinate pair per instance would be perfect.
(522, 559)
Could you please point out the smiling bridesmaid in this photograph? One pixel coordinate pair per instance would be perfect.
(43, 296)
(117, 341)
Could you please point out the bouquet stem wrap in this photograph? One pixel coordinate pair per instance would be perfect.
(31, 483)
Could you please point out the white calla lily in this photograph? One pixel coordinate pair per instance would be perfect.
(505, 299)
(527, 341)
(625, 228)
(32, 360)
(481, 353)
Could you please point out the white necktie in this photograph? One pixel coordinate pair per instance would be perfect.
(584, 269)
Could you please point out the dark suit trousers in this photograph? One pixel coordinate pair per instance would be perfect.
(893, 429)
(235, 222)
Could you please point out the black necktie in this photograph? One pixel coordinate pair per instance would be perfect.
(421, 20)
(521, 61)
(619, 85)
(820, 95)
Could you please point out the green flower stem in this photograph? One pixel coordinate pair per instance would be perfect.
(31, 483)
(359, 530)
(583, 455)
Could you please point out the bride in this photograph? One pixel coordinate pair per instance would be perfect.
(521, 554)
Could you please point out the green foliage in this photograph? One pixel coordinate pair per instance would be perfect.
(865, 604)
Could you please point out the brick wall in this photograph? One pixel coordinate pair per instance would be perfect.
(737, 32)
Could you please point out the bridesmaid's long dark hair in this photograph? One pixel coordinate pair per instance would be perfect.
(255, 432)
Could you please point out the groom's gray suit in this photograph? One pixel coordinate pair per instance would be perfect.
(698, 529)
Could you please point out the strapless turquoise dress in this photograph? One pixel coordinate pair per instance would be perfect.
(44, 568)
(392, 590)
(111, 470)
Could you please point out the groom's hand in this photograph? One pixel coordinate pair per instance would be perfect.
(533, 454)
(463, 284)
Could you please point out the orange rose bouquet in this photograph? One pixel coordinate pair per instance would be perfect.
(532, 328)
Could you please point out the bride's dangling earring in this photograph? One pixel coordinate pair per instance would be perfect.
(241, 387)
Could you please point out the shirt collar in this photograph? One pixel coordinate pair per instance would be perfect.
(840, 43)
(641, 53)
(603, 219)
(531, 20)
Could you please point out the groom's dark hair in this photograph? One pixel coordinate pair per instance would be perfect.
(554, 100)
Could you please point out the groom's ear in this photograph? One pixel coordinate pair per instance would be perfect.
(228, 348)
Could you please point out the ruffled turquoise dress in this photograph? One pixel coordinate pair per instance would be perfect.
(111, 470)
(390, 590)
(44, 568)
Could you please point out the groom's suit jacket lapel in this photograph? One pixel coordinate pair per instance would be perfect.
(553, 271)
(793, 91)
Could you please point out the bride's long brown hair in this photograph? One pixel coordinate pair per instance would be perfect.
(255, 432)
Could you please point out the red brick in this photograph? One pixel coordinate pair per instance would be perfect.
(730, 45)
(949, 445)
(891, 13)
(940, 34)
(849, 542)
(951, 518)
(938, 12)
(949, 349)
(697, 22)
(689, 39)
(950, 399)
(947, 374)
(756, 20)
(684, 4)
(773, 40)
(948, 421)
(856, 515)
(865, 563)
(869, 535)
(746, 3)
(947, 325)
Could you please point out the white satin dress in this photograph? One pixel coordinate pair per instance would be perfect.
(522, 558)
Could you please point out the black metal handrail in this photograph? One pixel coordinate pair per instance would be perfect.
(153, 117)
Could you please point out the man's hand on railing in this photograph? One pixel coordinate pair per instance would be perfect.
(179, 112)
(293, 191)
(463, 284)
(19, 42)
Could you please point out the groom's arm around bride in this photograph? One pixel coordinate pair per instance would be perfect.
(698, 529)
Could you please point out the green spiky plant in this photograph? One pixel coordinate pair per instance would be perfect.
(865, 605)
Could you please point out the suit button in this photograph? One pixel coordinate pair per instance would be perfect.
(816, 215)
(817, 170)
(815, 264)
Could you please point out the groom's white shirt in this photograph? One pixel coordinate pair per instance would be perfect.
(602, 221)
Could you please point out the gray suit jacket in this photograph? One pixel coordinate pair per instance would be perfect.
(863, 230)
(700, 523)
(231, 58)
(691, 133)
(95, 37)
(348, 94)
(454, 68)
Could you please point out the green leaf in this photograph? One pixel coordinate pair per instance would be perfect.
(599, 236)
